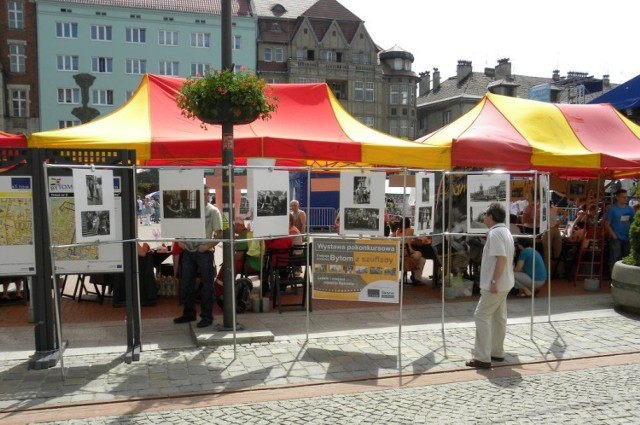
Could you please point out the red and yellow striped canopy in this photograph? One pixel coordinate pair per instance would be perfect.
(309, 127)
(12, 140)
(517, 134)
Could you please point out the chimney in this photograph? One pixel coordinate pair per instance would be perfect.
(464, 69)
(425, 83)
(556, 75)
(489, 72)
(436, 78)
(503, 70)
(606, 83)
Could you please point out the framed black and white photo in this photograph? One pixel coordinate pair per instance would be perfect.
(182, 201)
(425, 200)
(424, 222)
(362, 203)
(361, 220)
(269, 202)
(543, 183)
(483, 190)
(94, 205)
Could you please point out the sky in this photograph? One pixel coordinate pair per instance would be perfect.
(538, 37)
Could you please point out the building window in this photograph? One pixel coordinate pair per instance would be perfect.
(393, 127)
(19, 102)
(200, 39)
(279, 55)
(129, 94)
(365, 58)
(69, 96)
(359, 91)
(404, 92)
(67, 123)
(136, 66)
(267, 54)
(66, 30)
(101, 32)
(394, 96)
(328, 55)
(102, 97)
(237, 39)
(168, 68)
(397, 64)
(199, 69)
(446, 117)
(404, 128)
(67, 63)
(355, 57)
(102, 64)
(16, 14)
(368, 92)
(136, 35)
(17, 58)
(167, 38)
(369, 121)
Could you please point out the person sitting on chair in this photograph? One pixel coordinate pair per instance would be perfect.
(5, 289)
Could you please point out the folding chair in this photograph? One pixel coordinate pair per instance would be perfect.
(284, 263)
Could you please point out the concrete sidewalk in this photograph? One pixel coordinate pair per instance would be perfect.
(343, 345)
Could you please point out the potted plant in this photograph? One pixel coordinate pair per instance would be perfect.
(625, 285)
(225, 96)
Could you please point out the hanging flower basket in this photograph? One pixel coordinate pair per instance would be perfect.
(221, 97)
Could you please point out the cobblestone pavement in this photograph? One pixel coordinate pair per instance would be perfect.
(609, 395)
(589, 394)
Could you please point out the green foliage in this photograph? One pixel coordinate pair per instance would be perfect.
(633, 259)
(226, 96)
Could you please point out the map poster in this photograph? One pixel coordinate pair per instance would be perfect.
(356, 270)
(483, 190)
(362, 203)
(94, 205)
(182, 201)
(17, 249)
(104, 258)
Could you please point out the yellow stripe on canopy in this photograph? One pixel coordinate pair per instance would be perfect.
(132, 132)
(380, 148)
(549, 134)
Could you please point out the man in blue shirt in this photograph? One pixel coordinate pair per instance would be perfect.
(526, 278)
(617, 223)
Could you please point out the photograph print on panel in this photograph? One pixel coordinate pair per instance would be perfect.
(362, 202)
(483, 190)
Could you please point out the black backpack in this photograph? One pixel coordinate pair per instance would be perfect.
(243, 287)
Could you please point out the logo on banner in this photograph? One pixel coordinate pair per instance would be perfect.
(20, 183)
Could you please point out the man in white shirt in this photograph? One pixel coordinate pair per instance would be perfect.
(496, 280)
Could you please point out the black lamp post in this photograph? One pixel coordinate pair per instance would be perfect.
(227, 176)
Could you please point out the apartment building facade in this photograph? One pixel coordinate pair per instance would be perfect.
(19, 101)
(307, 41)
(441, 102)
(93, 53)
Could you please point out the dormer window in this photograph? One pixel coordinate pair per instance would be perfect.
(278, 10)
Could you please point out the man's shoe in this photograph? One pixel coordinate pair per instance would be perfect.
(184, 319)
(497, 359)
(478, 364)
(204, 323)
